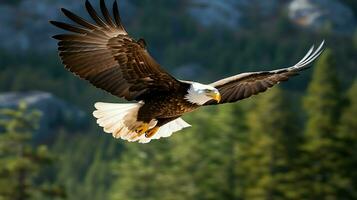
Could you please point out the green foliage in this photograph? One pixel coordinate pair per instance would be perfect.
(143, 171)
(20, 161)
(267, 155)
(347, 145)
(323, 98)
(214, 138)
(84, 166)
(348, 126)
(323, 162)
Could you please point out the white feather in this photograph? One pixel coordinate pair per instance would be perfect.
(115, 118)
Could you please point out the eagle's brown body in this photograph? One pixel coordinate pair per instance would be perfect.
(166, 107)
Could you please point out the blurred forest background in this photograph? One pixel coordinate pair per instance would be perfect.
(297, 141)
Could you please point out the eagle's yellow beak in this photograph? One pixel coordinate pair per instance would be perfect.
(215, 95)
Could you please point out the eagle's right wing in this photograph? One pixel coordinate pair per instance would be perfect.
(245, 85)
(107, 57)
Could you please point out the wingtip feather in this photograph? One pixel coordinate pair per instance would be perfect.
(64, 10)
(56, 37)
(53, 22)
(94, 15)
(117, 17)
(106, 14)
(310, 57)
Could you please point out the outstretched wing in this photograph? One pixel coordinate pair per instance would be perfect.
(107, 57)
(244, 85)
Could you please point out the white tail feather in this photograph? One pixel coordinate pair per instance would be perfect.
(114, 118)
(120, 120)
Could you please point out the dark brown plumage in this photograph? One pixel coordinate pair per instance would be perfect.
(105, 55)
(108, 58)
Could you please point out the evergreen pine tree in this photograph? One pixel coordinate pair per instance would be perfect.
(21, 161)
(98, 178)
(142, 172)
(206, 153)
(347, 143)
(322, 104)
(85, 164)
(267, 155)
(348, 126)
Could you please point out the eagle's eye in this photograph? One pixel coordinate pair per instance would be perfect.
(207, 91)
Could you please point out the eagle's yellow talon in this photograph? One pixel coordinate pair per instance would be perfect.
(152, 132)
(142, 129)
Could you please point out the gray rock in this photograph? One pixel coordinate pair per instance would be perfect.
(228, 13)
(321, 14)
(54, 112)
(219, 13)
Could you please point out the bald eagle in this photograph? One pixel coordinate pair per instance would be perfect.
(105, 55)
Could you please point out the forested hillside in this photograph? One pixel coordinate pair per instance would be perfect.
(296, 141)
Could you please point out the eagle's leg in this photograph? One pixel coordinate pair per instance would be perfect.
(152, 132)
(161, 122)
(142, 129)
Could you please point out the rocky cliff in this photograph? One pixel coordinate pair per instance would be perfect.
(55, 113)
(322, 15)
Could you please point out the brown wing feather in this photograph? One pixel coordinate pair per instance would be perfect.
(245, 85)
(107, 57)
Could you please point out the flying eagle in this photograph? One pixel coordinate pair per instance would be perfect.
(105, 55)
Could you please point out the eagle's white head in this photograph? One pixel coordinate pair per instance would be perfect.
(200, 94)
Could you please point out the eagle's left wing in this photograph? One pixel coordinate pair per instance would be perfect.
(104, 54)
(245, 85)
